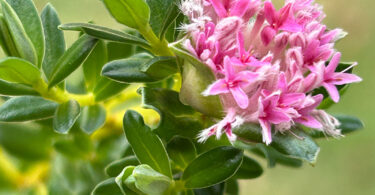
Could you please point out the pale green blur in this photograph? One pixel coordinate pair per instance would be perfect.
(346, 166)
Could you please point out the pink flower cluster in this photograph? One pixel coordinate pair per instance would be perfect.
(267, 62)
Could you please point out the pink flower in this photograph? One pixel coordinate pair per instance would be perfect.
(306, 118)
(225, 126)
(233, 83)
(278, 20)
(270, 113)
(330, 78)
(245, 58)
(278, 77)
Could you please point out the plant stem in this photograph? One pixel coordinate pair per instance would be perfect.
(60, 96)
(158, 47)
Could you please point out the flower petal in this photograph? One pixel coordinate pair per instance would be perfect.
(333, 63)
(267, 35)
(291, 99)
(333, 92)
(344, 78)
(269, 12)
(219, 8)
(277, 116)
(218, 87)
(291, 26)
(228, 68)
(266, 131)
(309, 121)
(240, 8)
(246, 77)
(240, 96)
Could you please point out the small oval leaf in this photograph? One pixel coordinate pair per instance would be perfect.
(134, 13)
(146, 145)
(182, 151)
(92, 118)
(72, 59)
(13, 89)
(127, 71)
(26, 108)
(104, 33)
(54, 38)
(18, 71)
(212, 167)
(303, 147)
(150, 181)
(65, 116)
(123, 182)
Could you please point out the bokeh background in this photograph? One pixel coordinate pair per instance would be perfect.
(346, 166)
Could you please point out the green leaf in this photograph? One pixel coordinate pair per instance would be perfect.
(146, 145)
(126, 71)
(182, 151)
(119, 50)
(26, 108)
(7, 42)
(13, 89)
(54, 39)
(19, 71)
(161, 14)
(65, 116)
(249, 169)
(26, 141)
(28, 15)
(260, 150)
(196, 77)
(132, 13)
(303, 147)
(349, 124)
(150, 181)
(176, 118)
(106, 33)
(106, 88)
(92, 66)
(92, 118)
(107, 187)
(123, 181)
(140, 69)
(115, 167)
(212, 167)
(72, 59)
(273, 156)
(232, 187)
(218, 189)
(160, 68)
(21, 40)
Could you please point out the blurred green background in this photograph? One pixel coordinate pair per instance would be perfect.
(346, 166)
